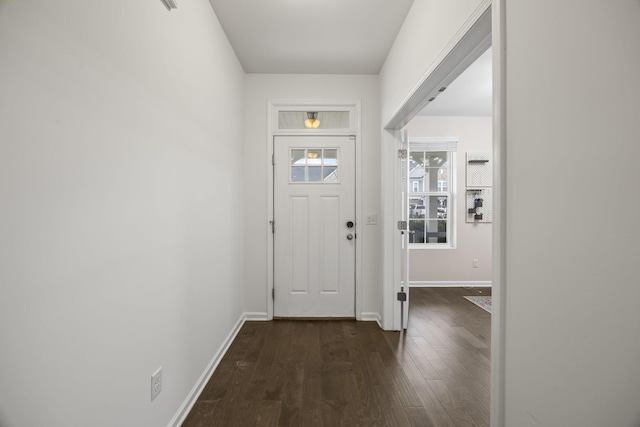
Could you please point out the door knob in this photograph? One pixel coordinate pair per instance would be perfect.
(349, 236)
(349, 224)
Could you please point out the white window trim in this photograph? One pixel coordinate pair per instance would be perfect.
(450, 145)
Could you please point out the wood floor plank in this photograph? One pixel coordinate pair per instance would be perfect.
(391, 407)
(479, 412)
(229, 409)
(451, 403)
(311, 414)
(419, 358)
(201, 414)
(269, 413)
(437, 413)
(419, 417)
(469, 337)
(364, 388)
(348, 373)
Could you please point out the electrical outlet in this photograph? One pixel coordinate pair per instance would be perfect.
(475, 263)
(372, 219)
(156, 383)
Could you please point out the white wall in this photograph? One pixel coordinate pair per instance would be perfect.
(120, 188)
(572, 287)
(259, 88)
(473, 239)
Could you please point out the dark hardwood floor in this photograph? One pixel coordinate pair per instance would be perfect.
(348, 373)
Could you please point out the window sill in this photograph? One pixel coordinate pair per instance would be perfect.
(430, 247)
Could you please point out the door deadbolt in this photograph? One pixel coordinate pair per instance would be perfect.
(349, 224)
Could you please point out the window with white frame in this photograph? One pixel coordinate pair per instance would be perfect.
(431, 172)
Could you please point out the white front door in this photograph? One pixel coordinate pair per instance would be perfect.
(314, 222)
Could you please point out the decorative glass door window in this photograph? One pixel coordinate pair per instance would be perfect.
(314, 165)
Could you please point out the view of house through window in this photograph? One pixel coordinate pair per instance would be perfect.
(430, 196)
(314, 165)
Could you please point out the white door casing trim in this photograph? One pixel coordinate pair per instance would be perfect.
(499, 238)
(273, 108)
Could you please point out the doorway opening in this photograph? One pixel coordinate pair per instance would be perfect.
(449, 248)
(450, 169)
(462, 52)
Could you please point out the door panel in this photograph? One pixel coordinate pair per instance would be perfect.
(314, 199)
(299, 246)
(330, 233)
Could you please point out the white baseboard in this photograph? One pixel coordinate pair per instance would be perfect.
(191, 399)
(257, 316)
(452, 284)
(372, 317)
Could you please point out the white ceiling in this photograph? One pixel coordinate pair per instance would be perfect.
(469, 95)
(311, 37)
(338, 37)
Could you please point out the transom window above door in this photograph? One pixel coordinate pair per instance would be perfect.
(314, 119)
(314, 165)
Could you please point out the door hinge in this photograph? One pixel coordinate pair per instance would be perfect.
(273, 226)
(402, 225)
(273, 294)
(273, 159)
(402, 153)
(402, 296)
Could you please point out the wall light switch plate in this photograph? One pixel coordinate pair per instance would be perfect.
(371, 219)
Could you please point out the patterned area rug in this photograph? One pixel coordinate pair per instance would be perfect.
(483, 302)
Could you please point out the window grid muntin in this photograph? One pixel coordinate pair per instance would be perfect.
(314, 165)
(421, 219)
